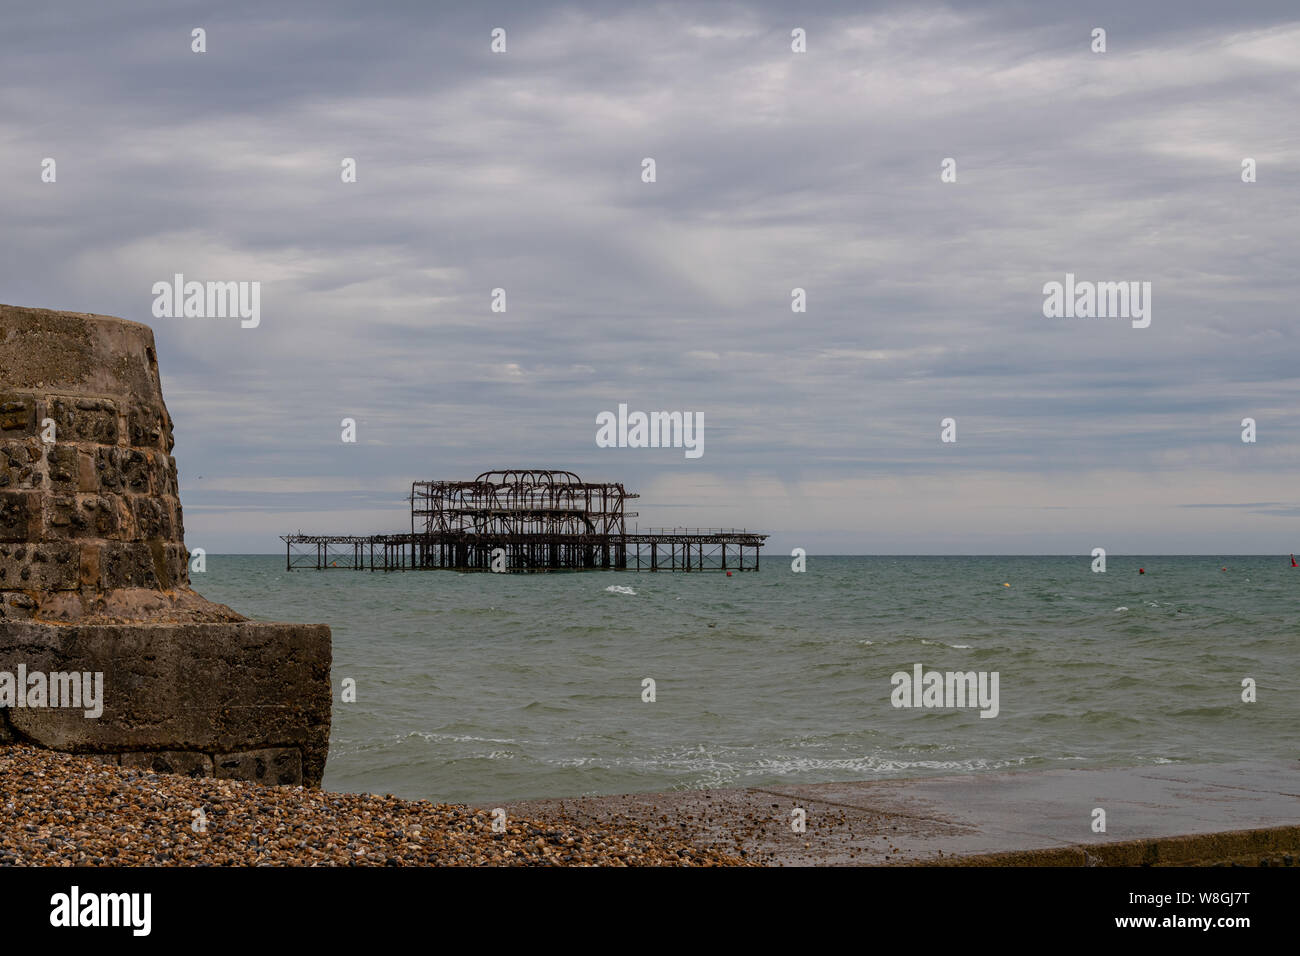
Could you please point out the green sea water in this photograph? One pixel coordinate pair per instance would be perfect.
(485, 688)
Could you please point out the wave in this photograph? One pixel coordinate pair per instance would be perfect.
(458, 738)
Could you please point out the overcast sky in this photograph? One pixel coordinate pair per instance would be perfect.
(821, 170)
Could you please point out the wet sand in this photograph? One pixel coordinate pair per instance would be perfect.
(1170, 814)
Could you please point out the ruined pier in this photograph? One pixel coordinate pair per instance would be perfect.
(526, 520)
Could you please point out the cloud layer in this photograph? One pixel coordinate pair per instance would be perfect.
(775, 170)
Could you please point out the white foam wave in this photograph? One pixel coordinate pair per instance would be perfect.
(459, 738)
(620, 589)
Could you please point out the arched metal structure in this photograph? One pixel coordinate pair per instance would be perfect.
(526, 519)
(519, 501)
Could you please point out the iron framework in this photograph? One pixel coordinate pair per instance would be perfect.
(524, 520)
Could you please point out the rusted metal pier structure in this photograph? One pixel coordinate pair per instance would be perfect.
(522, 520)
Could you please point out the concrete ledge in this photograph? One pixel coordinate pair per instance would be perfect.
(1267, 846)
(248, 700)
(1167, 815)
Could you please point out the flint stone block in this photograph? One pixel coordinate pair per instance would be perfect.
(274, 766)
(86, 516)
(65, 468)
(130, 565)
(83, 419)
(184, 762)
(177, 562)
(89, 576)
(149, 428)
(128, 471)
(20, 516)
(141, 564)
(169, 484)
(39, 567)
(16, 604)
(19, 462)
(153, 517)
(17, 414)
(207, 688)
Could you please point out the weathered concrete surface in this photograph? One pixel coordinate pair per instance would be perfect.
(94, 573)
(1164, 815)
(211, 690)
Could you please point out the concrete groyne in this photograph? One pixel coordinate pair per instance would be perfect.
(104, 646)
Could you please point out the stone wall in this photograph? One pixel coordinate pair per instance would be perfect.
(94, 573)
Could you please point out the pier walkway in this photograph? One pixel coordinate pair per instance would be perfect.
(652, 549)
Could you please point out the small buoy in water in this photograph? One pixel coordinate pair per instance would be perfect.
(728, 574)
(1006, 584)
(1142, 570)
(1223, 569)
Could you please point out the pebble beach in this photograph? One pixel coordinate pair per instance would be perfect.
(60, 809)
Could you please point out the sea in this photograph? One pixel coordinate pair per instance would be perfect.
(483, 688)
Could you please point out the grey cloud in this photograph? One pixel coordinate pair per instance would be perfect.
(775, 171)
